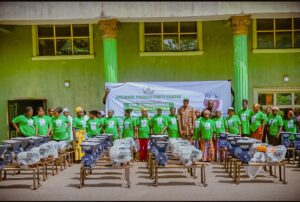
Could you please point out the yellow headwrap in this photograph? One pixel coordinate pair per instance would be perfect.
(78, 109)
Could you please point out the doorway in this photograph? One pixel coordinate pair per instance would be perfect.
(16, 108)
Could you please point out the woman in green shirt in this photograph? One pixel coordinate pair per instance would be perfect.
(93, 124)
(129, 128)
(43, 123)
(233, 122)
(257, 125)
(111, 125)
(24, 124)
(275, 127)
(207, 133)
(143, 125)
(60, 125)
(79, 131)
(289, 123)
(221, 127)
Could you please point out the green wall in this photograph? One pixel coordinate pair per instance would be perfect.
(24, 78)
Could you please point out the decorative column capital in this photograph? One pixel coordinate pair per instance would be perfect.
(239, 24)
(109, 28)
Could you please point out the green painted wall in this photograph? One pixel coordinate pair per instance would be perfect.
(24, 78)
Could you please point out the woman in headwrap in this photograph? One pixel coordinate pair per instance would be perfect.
(66, 113)
(257, 125)
(79, 130)
(275, 127)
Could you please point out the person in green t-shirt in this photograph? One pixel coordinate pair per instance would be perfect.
(290, 124)
(60, 125)
(267, 113)
(221, 127)
(207, 133)
(159, 123)
(129, 129)
(172, 123)
(245, 115)
(101, 118)
(79, 131)
(66, 113)
(257, 125)
(233, 122)
(196, 136)
(42, 122)
(143, 129)
(111, 125)
(275, 122)
(93, 124)
(24, 124)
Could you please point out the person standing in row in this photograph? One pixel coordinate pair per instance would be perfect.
(221, 127)
(100, 118)
(207, 133)
(111, 125)
(79, 131)
(129, 125)
(66, 113)
(186, 120)
(172, 123)
(60, 125)
(42, 122)
(143, 131)
(24, 123)
(289, 123)
(233, 122)
(245, 115)
(159, 123)
(210, 107)
(196, 128)
(93, 124)
(275, 122)
(267, 127)
(257, 122)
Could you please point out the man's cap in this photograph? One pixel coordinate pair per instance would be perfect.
(231, 108)
(128, 110)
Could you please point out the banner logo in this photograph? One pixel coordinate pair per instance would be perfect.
(148, 90)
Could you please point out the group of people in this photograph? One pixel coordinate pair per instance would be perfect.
(201, 128)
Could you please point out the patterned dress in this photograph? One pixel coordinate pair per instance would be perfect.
(186, 117)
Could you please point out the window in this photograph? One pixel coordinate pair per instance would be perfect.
(171, 38)
(62, 40)
(276, 34)
(283, 98)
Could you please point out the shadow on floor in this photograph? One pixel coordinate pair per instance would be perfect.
(96, 185)
(171, 183)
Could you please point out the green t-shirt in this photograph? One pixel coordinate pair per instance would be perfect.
(59, 126)
(111, 126)
(101, 120)
(172, 126)
(233, 123)
(245, 116)
(207, 129)
(275, 123)
(221, 125)
(290, 126)
(143, 124)
(196, 128)
(256, 120)
(79, 123)
(93, 127)
(128, 127)
(158, 123)
(26, 125)
(43, 123)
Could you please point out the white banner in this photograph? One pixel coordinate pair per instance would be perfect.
(150, 95)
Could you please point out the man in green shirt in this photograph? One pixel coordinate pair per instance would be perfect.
(207, 132)
(60, 125)
(143, 129)
(159, 123)
(290, 124)
(275, 122)
(233, 122)
(257, 125)
(245, 115)
(172, 123)
(111, 125)
(43, 123)
(221, 127)
(24, 124)
(93, 124)
(129, 129)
